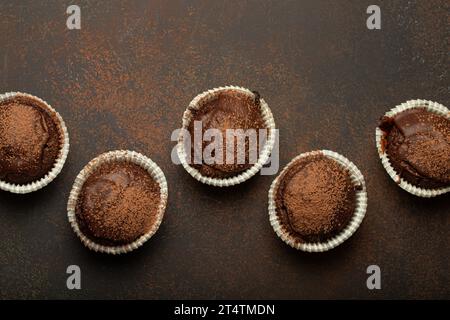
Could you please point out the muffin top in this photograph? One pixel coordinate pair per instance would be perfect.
(417, 142)
(230, 109)
(118, 203)
(30, 140)
(315, 198)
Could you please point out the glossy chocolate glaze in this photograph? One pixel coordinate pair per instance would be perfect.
(117, 204)
(229, 110)
(315, 198)
(417, 142)
(30, 140)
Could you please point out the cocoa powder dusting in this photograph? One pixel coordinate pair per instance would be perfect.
(30, 140)
(229, 110)
(118, 203)
(315, 198)
(418, 145)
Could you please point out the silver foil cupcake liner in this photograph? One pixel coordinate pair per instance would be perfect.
(379, 137)
(59, 163)
(264, 155)
(358, 216)
(117, 156)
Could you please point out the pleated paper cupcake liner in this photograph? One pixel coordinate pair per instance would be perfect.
(360, 210)
(379, 136)
(117, 156)
(59, 163)
(197, 103)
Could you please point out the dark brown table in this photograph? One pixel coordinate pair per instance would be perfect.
(123, 82)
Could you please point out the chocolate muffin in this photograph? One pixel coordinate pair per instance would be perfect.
(30, 140)
(315, 198)
(229, 109)
(417, 142)
(118, 203)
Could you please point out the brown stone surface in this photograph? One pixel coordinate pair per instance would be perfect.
(124, 81)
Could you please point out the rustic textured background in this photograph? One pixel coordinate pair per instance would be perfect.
(124, 80)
